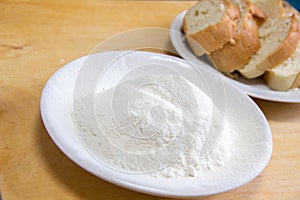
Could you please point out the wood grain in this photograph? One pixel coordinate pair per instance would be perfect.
(36, 39)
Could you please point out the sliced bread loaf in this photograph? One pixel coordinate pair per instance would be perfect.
(279, 37)
(287, 75)
(239, 50)
(210, 24)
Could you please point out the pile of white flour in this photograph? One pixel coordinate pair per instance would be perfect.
(161, 125)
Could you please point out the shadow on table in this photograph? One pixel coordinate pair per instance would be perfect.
(281, 112)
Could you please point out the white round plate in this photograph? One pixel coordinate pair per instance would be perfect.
(255, 88)
(253, 136)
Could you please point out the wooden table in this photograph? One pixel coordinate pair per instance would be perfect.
(36, 39)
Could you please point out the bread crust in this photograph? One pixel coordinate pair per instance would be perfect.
(257, 13)
(215, 36)
(276, 81)
(285, 50)
(236, 53)
(275, 11)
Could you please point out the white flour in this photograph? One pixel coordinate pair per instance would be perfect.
(161, 125)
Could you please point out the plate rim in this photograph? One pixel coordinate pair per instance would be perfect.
(139, 188)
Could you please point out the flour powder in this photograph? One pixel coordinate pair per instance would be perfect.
(163, 126)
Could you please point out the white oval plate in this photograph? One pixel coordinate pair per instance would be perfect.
(253, 136)
(255, 88)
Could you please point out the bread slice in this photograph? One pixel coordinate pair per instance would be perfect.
(279, 37)
(287, 75)
(290, 10)
(210, 24)
(272, 8)
(239, 50)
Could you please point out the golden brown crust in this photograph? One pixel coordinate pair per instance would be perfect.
(235, 54)
(276, 81)
(257, 13)
(215, 36)
(285, 50)
(291, 10)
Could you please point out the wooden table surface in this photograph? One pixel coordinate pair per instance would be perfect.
(36, 39)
